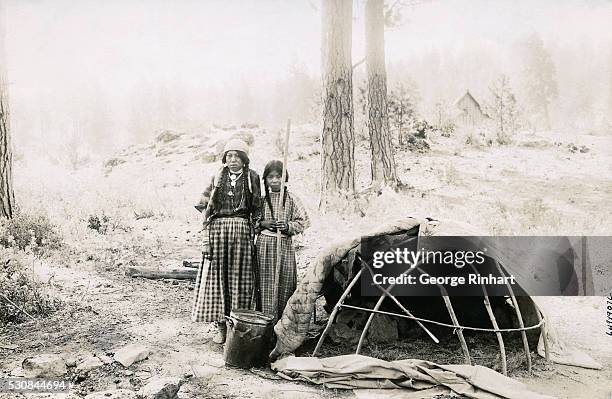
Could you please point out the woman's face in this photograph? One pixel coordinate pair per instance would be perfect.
(273, 180)
(233, 161)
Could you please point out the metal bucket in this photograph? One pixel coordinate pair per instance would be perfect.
(249, 334)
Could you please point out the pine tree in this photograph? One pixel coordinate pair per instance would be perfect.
(402, 109)
(539, 80)
(503, 110)
(338, 137)
(382, 163)
(7, 196)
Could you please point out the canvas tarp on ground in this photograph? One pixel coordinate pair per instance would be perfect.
(293, 326)
(417, 378)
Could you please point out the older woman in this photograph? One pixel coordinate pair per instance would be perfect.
(231, 205)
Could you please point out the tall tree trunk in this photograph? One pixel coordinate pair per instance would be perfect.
(7, 198)
(383, 161)
(337, 139)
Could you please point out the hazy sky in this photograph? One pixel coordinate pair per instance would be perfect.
(57, 41)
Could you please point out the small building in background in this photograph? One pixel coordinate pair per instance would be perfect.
(469, 113)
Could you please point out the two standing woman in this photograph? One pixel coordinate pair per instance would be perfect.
(234, 213)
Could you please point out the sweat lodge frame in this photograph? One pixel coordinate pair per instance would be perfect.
(456, 326)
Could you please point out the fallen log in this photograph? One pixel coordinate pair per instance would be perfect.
(155, 274)
(191, 263)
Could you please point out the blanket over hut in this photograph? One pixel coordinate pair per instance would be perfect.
(294, 324)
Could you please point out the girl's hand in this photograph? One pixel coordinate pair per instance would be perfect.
(268, 224)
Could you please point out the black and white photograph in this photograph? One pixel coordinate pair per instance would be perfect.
(321, 199)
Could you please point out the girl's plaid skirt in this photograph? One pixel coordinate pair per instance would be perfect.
(266, 254)
(225, 282)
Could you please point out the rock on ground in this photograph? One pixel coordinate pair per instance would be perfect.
(105, 359)
(161, 388)
(113, 394)
(89, 364)
(45, 365)
(131, 354)
(17, 372)
(383, 330)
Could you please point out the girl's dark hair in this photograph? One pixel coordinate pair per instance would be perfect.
(274, 166)
(216, 200)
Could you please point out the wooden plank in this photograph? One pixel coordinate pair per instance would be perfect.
(155, 274)
(192, 263)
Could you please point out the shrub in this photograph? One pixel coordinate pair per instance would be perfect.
(143, 214)
(103, 223)
(19, 292)
(421, 128)
(98, 223)
(447, 129)
(33, 232)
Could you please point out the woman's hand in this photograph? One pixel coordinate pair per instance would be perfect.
(206, 251)
(282, 225)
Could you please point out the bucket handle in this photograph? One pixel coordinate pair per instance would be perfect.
(230, 320)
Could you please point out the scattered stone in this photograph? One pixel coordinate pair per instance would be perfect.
(161, 388)
(224, 128)
(247, 137)
(70, 360)
(348, 327)
(89, 364)
(6, 345)
(208, 156)
(383, 330)
(204, 371)
(113, 394)
(113, 162)
(167, 136)
(104, 359)
(342, 333)
(17, 372)
(46, 365)
(131, 354)
(128, 373)
(576, 148)
(249, 126)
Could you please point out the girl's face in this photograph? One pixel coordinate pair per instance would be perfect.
(233, 161)
(273, 180)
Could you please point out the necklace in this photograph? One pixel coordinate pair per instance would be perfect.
(232, 184)
(233, 178)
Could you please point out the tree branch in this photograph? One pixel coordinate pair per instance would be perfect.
(358, 63)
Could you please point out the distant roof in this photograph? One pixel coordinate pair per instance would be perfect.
(469, 97)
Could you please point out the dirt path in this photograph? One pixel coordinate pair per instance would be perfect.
(107, 310)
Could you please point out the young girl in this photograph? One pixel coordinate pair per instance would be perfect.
(291, 219)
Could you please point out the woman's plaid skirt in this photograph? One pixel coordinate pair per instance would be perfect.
(226, 282)
(266, 254)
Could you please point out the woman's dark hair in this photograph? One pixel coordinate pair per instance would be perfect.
(274, 166)
(216, 200)
(243, 157)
